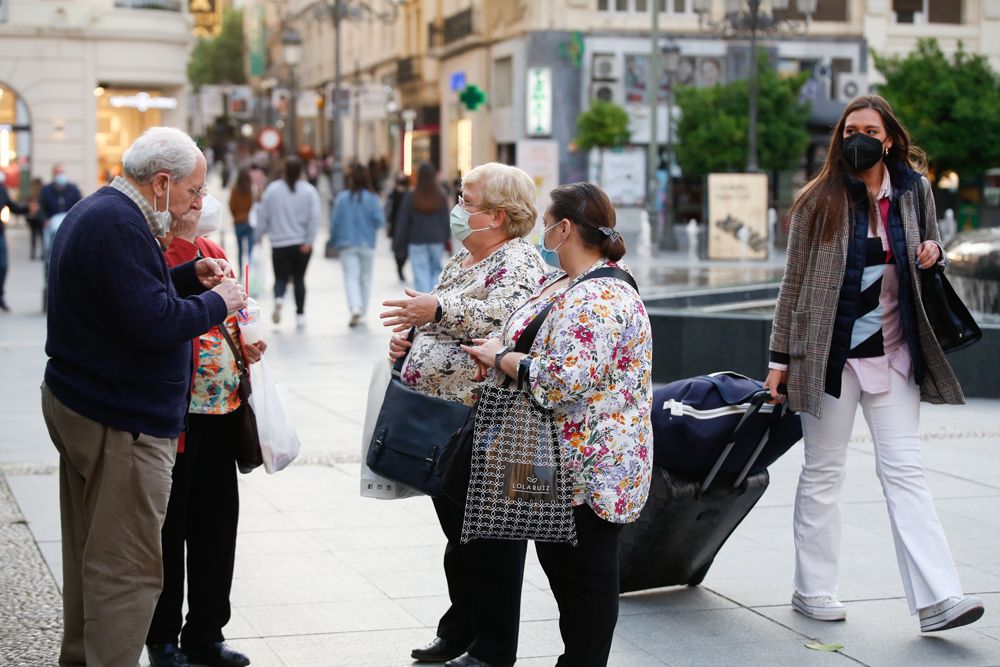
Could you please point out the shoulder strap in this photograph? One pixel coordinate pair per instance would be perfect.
(921, 216)
(241, 365)
(528, 336)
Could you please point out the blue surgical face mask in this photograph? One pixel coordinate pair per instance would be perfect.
(551, 257)
(459, 221)
(61, 179)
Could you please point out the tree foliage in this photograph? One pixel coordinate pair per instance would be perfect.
(712, 131)
(950, 106)
(220, 59)
(603, 125)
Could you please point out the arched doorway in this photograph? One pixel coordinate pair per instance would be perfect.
(15, 141)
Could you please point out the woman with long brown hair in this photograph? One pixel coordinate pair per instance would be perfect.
(241, 200)
(850, 328)
(422, 228)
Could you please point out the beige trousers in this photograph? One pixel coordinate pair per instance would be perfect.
(113, 493)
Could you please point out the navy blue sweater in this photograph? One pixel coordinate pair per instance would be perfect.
(119, 334)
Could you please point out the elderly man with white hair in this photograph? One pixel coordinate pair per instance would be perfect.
(116, 388)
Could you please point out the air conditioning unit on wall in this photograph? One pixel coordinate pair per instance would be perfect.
(850, 86)
(609, 91)
(607, 67)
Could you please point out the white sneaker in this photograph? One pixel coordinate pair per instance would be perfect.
(819, 607)
(300, 321)
(276, 315)
(952, 613)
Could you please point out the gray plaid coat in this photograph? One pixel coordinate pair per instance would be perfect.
(807, 304)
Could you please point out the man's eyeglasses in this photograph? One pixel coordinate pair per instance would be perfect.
(198, 193)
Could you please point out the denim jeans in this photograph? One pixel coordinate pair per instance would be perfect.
(357, 263)
(425, 260)
(3, 262)
(244, 238)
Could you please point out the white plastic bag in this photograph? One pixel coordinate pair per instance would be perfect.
(279, 443)
(372, 485)
(252, 215)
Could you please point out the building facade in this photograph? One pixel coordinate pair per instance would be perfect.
(79, 81)
(540, 64)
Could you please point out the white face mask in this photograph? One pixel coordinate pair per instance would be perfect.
(211, 216)
(161, 219)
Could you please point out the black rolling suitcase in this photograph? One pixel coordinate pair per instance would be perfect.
(686, 521)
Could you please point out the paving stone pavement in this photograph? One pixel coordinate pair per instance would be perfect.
(326, 578)
(30, 606)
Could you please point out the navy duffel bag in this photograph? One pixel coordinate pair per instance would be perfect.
(694, 420)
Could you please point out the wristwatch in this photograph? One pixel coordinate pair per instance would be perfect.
(500, 355)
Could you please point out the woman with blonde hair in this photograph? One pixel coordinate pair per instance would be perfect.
(494, 272)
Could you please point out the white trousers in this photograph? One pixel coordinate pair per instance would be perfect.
(925, 561)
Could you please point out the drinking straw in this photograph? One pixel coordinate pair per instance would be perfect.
(246, 278)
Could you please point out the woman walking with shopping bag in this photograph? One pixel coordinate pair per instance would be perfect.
(850, 328)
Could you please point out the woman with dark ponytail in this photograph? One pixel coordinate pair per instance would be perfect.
(591, 364)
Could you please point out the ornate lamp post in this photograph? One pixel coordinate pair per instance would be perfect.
(750, 17)
(291, 44)
(671, 63)
(351, 10)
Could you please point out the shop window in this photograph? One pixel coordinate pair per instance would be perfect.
(826, 10)
(643, 6)
(15, 142)
(166, 5)
(502, 82)
(928, 11)
(123, 115)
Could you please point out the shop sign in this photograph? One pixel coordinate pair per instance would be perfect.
(142, 101)
(539, 158)
(539, 102)
(457, 81)
(256, 39)
(240, 102)
(207, 16)
(281, 101)
(344, 98)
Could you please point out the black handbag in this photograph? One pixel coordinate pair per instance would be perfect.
(247, 446)
(455, 464)
(952, 323)
(410, 433)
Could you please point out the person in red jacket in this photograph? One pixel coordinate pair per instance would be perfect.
(204, 501)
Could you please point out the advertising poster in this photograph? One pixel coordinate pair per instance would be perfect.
(539, 158)
(737, 216)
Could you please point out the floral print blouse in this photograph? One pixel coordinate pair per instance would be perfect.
(215, 390)
(475, 302)
(591, 364)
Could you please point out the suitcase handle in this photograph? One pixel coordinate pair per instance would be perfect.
(757, 402)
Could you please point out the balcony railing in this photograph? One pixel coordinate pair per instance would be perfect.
(458, 26)
(164, 5)
(406, 70)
